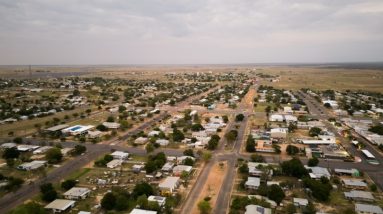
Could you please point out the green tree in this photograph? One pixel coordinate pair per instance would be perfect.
(257, 158)
(142, 188)
(79, 149)
(10, 153)
(275, 193)
(29, 208)
(290, 209)
(294, 167)
(250, 144)
(178, 136)
(18, 140)
(309, 209)
(189, 162)
(313, 161)
(239, 117)
(53, 155)
(48, 193)
(204, 207)
(314, 131)
(68, 184)
(189, 152)
(108, 201)
(292, 150)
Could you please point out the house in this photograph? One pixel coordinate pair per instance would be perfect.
(137, 168)
(199, 134)
(141, 211)
(278, 133)
(60, 205)
(169, 185)
(264, 146)
(300, 202)
(367, 209)
(167, 167)
(288, 110)
(77, 130)
(42, 150)
(162, 142)
(179, 169)
(276, 118)
(332, 103)
(141, 140)
(111, 125)
(253, 183)
(357, 195)
(77, 193)
(256, 209)
(159, 199)
(153, 133)
(354, 183)
(181, 159)
(94, 134)
(56, 129)
(8, 145)
(32, 165)
(318, 172)
(290, 118)
(66, 151)
(27, 148)
(349, 172)
(120, 155)
(254, 171)
(114, 163)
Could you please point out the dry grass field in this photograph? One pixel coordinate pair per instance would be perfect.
(291, 77)
(326, 78)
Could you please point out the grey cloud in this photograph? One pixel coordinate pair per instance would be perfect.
(189, 31)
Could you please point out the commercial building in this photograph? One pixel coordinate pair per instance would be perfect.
(77, 130)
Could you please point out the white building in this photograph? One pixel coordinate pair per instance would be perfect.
(141, 211)
(159, 199)
(111, 125)
(32, 165)
(162, 142)
(60, 205)
(77, 193)
(141, 140)
(318, 172)
(276, 118)
(253, 183)
(168, 185)
(278, 132)
(256, 209)
(177, 170)
(367, 209)
(114, 163)
(120, 155)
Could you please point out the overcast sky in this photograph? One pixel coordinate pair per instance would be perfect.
(189, 32)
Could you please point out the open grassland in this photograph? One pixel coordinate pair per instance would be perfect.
(325, 78)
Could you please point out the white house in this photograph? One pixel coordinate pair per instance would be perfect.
(141, 140)
(114, 163)
(77, 193)
(111, 125)
(253, 182)
(278, 133)
(60, 205)
(177, 170)
(256, 209)
(159, 199)
(276, 118)
(32, 165)
(162, 142)
(120, 155)
(367, 209)
(168, 185)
